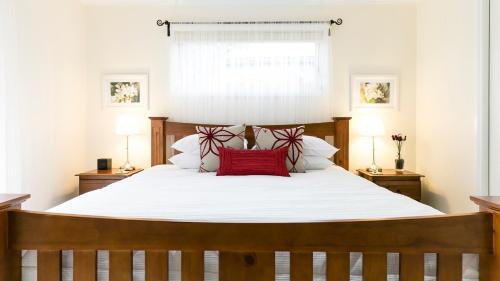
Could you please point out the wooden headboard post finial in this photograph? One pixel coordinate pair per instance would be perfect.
(341, 141)
(10, 260)
(490, 265)
(158, 140)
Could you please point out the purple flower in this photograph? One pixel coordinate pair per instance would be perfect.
(399, 139)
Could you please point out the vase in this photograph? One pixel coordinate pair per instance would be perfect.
(400, 164)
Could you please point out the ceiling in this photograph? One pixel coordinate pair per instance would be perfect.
(240, 2)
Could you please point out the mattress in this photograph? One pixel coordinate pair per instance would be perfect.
(166, 192)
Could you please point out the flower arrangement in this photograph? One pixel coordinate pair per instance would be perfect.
(399, 141)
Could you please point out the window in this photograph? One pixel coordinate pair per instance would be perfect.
(273, 67)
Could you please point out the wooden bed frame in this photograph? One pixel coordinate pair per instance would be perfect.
(246, 250)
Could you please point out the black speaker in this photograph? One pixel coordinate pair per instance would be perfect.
(104, 164)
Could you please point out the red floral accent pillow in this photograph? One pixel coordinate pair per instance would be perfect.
(291, 138)
(242, 162)
(212, 138)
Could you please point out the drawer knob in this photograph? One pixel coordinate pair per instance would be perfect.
(398, 190)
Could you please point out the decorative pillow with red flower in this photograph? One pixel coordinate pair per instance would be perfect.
(291, 138)
(211, 138)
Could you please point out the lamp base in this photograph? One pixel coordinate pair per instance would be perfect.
(127, 167)
(374, 169)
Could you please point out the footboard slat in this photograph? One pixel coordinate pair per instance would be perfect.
(120, 266)
(192, 264)
(49, 265)
(301, 266)
(485, 267)
(449, 267)
(338, 267)
(374, 266)
(13, 265)
(411, 267)
(156, 266)
(84, 266)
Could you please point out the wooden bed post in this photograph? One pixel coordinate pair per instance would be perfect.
(4, 251)
(158, 141)
(10, 261)
(489, 265)
(341, 141)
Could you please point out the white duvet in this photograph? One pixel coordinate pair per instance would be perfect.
(166, 192)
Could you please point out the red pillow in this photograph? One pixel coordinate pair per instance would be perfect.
(239, 162)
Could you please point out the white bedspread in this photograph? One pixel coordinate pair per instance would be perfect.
(166, 192)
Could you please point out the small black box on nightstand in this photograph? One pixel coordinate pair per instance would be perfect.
(104, 164)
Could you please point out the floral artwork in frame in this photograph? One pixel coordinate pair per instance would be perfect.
(125, 90)
(374, 91)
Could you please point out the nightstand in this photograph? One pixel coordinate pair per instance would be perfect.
(402, 182)
(97, 179)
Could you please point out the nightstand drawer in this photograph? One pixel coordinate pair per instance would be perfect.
(402, 182)
(407, 188)
(97, 179)
(412, 191)
(90, 185)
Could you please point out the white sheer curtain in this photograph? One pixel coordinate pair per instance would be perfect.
(253, 73)
(9, 134)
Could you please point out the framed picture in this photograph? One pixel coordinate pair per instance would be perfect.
(125, 90)
(374, 91)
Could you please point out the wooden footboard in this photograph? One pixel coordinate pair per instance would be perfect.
(246, 250)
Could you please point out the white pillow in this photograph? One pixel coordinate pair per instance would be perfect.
(190, 144)
(316, 162)
(187, 144)
(314, 146)
(186, 160)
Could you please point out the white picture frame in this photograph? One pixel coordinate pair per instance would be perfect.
(125, 90)
(374, 91)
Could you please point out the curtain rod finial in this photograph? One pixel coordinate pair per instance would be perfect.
(339, 21)
(162, 23)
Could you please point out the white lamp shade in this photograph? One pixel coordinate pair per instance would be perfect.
(372, 126)
(127, 125)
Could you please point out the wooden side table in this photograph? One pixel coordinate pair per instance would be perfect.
(402, 182)
(97, 179)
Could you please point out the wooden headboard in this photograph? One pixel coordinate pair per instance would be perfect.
(164, 133)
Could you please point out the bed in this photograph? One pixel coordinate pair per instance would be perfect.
(170, 193)
(163, 223)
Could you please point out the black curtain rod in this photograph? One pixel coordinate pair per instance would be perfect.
(169, 23)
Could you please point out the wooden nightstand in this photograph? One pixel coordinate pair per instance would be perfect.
(96, 179)
(403, 182)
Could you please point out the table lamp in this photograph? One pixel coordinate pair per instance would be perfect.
(372, 127)
(127, 126)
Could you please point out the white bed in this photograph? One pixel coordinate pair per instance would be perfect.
(166, 192)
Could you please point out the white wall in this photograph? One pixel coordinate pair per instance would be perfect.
(50, 105)
(373, 39)
(448, 85)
